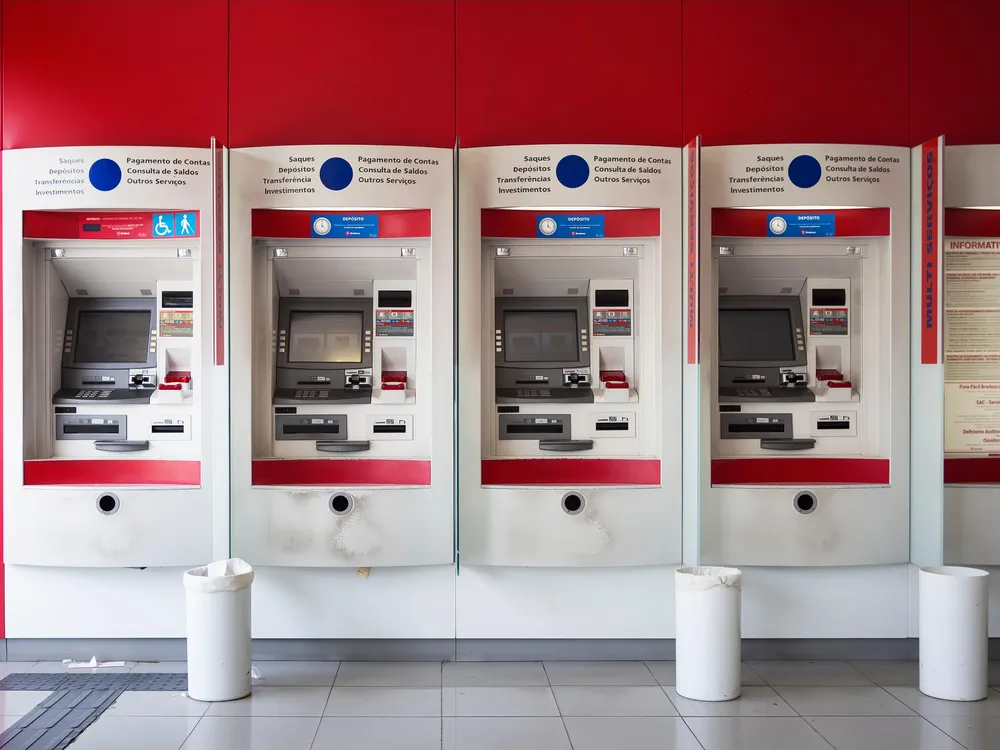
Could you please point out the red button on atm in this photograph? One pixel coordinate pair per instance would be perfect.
(394, 380)
(170, 386)
(178, 376)
(824, 375)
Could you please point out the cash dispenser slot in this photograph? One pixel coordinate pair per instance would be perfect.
(310, 427)
(774, 431)
(552, 431)
(534, 426)
(90, 427)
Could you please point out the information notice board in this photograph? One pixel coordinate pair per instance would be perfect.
(972, 347)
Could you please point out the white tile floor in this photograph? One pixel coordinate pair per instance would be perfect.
(536, 706)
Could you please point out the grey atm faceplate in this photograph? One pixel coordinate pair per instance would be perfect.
(534, 426)
(746, 426)
(310, 427)
(90, 426)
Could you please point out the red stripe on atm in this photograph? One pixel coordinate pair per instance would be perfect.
(984, 470)
(88, 471)
(348, 471)
(971, 222)
(289, 225)
(51, 225)
(930, 258)
(752, 222)
(693, 270)
(579, 471)
(630, 222)
(809, 471)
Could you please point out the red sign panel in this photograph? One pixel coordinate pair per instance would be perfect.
(219, 225)
(106, 225)
(693, 255)
(117, 227)
(930, 169)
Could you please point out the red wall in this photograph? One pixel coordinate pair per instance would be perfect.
(342, 71)
(418, 72)
(587, 71)
(787, 71)
(954, 71)
(114, 72)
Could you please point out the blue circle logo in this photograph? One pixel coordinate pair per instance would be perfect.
(105, 174)
(336, 173)
(572, 171)
(804, 171)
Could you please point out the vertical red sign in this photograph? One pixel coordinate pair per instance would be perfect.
(219, 208)
(692, 154)
(930, 171)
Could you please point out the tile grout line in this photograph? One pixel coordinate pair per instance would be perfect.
(663, 689)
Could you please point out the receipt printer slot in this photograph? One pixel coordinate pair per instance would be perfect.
(534, 426)
(167, 429)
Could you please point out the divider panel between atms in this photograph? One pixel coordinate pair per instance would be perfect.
(342, 260)
(113, 391)
(971, 355)
(804, 311)
(570, 318)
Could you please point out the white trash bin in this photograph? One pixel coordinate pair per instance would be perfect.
(707, 602)
(217, 598)
(954, 642)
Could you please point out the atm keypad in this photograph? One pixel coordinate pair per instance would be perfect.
(753, 392)
(533, 393)
(94, 394)
(313, 394)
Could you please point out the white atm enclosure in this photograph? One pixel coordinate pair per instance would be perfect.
(112, 395)
(342, 325)
(569, 359)
(804, 310)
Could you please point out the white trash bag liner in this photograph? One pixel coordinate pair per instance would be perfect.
(707, 604)
(217, 598)
(223, 575)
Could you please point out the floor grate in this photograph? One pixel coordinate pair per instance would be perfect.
(60, 718)
(145, 681)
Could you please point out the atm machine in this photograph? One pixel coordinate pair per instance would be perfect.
(112, 394)
(785, 385)
(565, 348)
(113, 368)
(342, 434)
(344, 353)
(804, 347)
(569, 362)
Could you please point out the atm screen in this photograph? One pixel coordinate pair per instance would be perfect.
(325, 336)
(113, 336)
(756, 335)
(541, 336)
